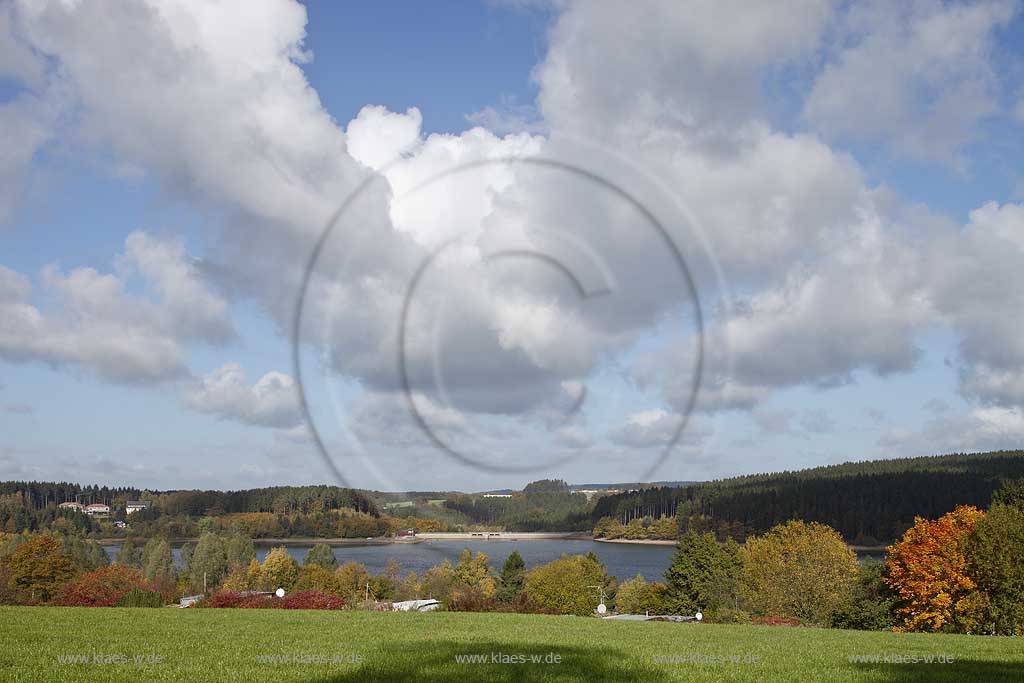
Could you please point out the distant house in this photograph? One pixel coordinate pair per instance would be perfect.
(120, 525)
(497, 495)
(97, 509)
(405, 533)
(72, 505)
(135, 505)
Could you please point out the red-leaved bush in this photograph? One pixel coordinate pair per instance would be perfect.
(221, 599)
(101, 587)
(310, 599)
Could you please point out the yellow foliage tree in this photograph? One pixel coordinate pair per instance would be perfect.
(798, 570)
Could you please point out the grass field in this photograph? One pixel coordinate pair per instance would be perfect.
(249, 645)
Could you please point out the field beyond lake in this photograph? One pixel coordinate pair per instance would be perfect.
(114, 644)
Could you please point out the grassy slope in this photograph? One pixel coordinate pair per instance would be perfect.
(222, 645)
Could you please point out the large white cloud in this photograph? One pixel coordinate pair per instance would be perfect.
(97, 323)
(272, 401)
(978, 287)
(917, 76)
(618, 75)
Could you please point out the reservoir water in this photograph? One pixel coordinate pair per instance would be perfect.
(622, 560)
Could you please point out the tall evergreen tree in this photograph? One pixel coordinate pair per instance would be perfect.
(1010, 492)
(513, 578)
(702, 575)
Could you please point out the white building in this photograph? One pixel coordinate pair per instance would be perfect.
(97, 509)
(72, 505)
(135, 505)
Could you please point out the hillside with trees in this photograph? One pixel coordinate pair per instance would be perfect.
(869, 503)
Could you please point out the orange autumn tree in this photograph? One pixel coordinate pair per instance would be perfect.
(927, 570)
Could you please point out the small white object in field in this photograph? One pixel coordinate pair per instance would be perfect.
(698, 616)
(601, 609)
(279, 592)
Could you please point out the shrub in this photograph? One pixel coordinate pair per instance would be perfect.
(310, 599)
(870, 607)
(38, 568)
(564, 586)
(465, 598)
(629, 595)
(255, 602)
(316, 578)
(798, 571)
(101, 587)
(995, 562)
(139, 597)
(220, 599)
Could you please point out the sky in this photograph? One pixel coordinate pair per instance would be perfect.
(421, 246)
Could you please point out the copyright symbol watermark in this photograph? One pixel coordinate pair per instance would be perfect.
(493, 326)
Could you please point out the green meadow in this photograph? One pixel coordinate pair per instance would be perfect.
(110, 644)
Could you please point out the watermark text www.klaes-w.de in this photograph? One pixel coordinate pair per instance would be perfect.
(900, 658)
(703, 658)
(311, 658)
(111, 659)
(508, 658)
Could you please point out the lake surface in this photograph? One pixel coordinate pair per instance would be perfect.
(622, 560)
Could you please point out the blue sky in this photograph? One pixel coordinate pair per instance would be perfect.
(169, 175)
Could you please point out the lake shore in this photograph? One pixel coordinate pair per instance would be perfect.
(390, 540)
(379, 540)
(505, 536)
(636, 541)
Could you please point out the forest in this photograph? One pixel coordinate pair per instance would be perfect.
(285, 510)
(869, 503)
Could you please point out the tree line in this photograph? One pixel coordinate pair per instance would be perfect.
(868, 503)
(958, 573)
